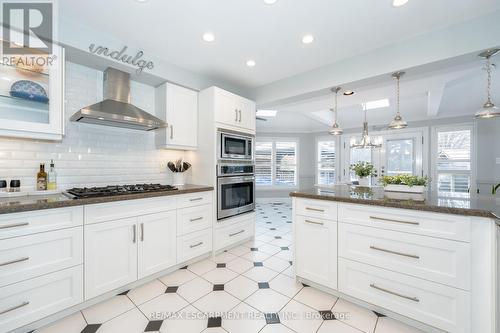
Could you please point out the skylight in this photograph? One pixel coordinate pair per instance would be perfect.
(266, 113)
(380, 103)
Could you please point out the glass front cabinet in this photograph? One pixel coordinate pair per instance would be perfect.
(32, 95)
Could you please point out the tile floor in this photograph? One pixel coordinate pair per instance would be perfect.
(248, 289)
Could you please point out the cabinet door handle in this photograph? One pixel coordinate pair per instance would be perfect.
(236, 115)
(315, 209)
(14, 225)
(196, 199)
(14, 307)
(394, 252)
(393, 220)
(411, 298)
(239, 111)
(171, 131)
(196, 219)
(314, 222)
(142, 232)
(196, 245)
(134, 233)
(237, 233)
(14, 261)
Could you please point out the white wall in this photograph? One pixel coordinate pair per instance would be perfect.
(90, 155)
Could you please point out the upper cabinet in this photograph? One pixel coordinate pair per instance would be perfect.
(32, 95)
(178, 106)
(234, 110)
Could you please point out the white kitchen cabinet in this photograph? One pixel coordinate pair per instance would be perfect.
(234, 110)
(110, 255)
(178, 106)
(157, 243)
(316, 250)
(34, 118)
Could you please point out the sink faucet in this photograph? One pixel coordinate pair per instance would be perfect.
(495, 188)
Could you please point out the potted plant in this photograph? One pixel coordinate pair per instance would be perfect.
(363, 170)
(404, 183)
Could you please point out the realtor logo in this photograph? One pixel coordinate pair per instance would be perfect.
(27, 27)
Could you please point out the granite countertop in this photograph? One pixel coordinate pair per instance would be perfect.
(28, 203)
(441, 202)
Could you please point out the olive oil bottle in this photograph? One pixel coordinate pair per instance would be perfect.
(52, 177)
(41, 178)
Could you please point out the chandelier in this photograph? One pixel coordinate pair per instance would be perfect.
(366, 141)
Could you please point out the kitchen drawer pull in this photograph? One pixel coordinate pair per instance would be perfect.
(237, 233)
(196, 245)
(392, 220)
(142, 232)
(239, 111)
(196, 199)
(313, 222)
(236, 114)
(394, 252)
(411, 298)
(14, 225)
(14, 307)
(134, 233)
(315, 209)
(171, 131)
(14, 261)
(196, 219)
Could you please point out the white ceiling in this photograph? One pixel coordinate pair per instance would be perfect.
(270, 35)
(445, 93)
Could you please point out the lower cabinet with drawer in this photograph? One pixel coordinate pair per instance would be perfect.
(234, 232)
(194, 244)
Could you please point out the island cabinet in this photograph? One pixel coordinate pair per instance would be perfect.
(436, 270)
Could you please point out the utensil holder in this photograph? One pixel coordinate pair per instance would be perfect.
(178, 178)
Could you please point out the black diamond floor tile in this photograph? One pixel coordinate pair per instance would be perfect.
(153, 325)
(214, 322)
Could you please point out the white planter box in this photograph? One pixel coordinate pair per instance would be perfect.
(404, 188)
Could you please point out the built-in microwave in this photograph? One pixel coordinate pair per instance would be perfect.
(234, 146)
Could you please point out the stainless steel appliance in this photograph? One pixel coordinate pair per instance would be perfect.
(113, 190)
(234, 146)
(235, 189)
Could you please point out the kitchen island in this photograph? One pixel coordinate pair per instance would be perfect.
(430, 260)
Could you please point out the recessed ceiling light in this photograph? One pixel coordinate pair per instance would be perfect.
(348, 93)
(270, 2)
(399, 3)
(266, 113)
(380, 103)
(308, 39)
(208, 37)
(251, 63)
(142, 1)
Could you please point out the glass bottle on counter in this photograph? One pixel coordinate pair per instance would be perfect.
(41, 178)
(52, 177)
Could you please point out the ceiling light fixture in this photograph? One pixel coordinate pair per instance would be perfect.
(251, 63)
(208, 37)
(489, 110)
(398, 122)
(366, 141)
(399, 3)
(348, 93)
(270, 2)
(336, 129)
(308, 39)
(266, 113)
(142, 1)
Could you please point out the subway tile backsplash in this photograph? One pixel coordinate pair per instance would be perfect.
(90, 155)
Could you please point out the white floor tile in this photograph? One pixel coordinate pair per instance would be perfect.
(74, 323)
(220, 275)
(132, 321)
(316, 299)
(304, 319)
(285, 254)
(104, 311)
(260, 274)
(188, 320)
(285, 285)
(337, 326)
(290, 272)
(253, 243)
(256, 256)
(239, 250)
(239, 265)
(269, 249)
(267, 300)
(388, 325)
(355, 316)
(241, 287)
(178, 277)
(276, 264)
(264, 238)
(224, 257)
(195, 289)
(215, 330)
(163, 306)
(243, 319)
(146, 292)
(216, 303)
(276, 328)
(202, 267)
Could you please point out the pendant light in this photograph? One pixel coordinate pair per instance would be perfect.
(398, 122)
(366, 141)
(336, 129)
(489, 110)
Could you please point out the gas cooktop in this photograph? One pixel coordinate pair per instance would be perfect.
(113, 190)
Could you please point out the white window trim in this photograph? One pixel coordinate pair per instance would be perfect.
(273, 163)
(337, 140)
(473, 159)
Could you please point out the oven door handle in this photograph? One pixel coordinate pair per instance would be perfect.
(235, 180)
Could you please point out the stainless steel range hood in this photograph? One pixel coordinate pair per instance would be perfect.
(116, 110)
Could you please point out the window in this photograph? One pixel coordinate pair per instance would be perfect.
(399, 157)
(326, 162)
(453, 160)
(276, 163)
(358, 155)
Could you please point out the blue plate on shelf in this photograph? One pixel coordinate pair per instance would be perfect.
(29, 90)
